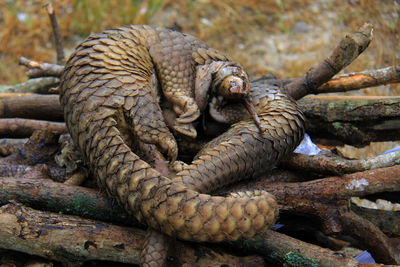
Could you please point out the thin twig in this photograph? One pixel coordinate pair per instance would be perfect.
(36, 69)
(57, 34)
(37, 85)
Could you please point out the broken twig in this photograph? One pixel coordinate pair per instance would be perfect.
(346, 52)
(57, 34)
(36, 69)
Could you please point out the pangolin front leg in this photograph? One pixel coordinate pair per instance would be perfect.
(189, 70)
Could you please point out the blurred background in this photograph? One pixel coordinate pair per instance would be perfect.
(285, 38)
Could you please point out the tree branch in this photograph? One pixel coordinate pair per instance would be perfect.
(359, 80)
(329, 163)
(45, 107)
(74, 240)
(352, 120)
(37, 85)
(26, 127)
(346, 52)
(36, 69)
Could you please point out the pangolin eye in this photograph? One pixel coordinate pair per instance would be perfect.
(244, 83)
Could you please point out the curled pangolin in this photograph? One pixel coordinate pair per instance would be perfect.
(110, 98)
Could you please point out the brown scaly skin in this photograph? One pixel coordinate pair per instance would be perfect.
(141, 58)
(108, 99)
(243, 152)
(232, 156)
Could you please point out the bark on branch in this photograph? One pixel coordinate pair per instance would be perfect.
(36, 69)
(44, 107)
(327, 199)
(352, 120)
(349, 48)
(89, 203)
(359, 80)
(74, 240)
(25, 127)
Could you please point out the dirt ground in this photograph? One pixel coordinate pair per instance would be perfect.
(270, 36)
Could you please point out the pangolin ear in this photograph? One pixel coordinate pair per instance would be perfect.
(204, 76)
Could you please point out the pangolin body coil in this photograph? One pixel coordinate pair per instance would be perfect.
(108, 100)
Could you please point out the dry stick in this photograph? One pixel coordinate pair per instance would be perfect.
(378, 243)
(279, 246)
(10, 95)
(329, 163)
(32, 85)
(348, 49)
(24, 171)
(327, 199)
(38, 171)
(348, 81)
(57, 34)
(9, 145)
(386, 220)
(359, 80)
(350, 121)
(45, 107)
(25, 127)
(66, 238)
(353, 121)
(68, 199)
(74, 240)
(36, 69)
(89, 203)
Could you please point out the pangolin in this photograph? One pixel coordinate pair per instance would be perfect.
(108, 92)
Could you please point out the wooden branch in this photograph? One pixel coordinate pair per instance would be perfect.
(295, 196)
(279, 247)
(74, 240)
(346, 82)
(353, 121)
(68, 199)
(32, 172)
(36, 69)
(40, 148)
(44, 107)
(4, 95)
(377, 242)
(346, 52)
(25, 127)
(329, 163)
(327, 200)
(24, 171)
(9, 145)
(291, 196)
(387, 221)
(350, 120)
(57, 34)
(37, 85)
(359, 80)
(89, 203)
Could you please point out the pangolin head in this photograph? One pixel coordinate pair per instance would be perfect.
(231, 82)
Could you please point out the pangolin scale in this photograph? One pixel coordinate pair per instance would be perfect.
(109, 98)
